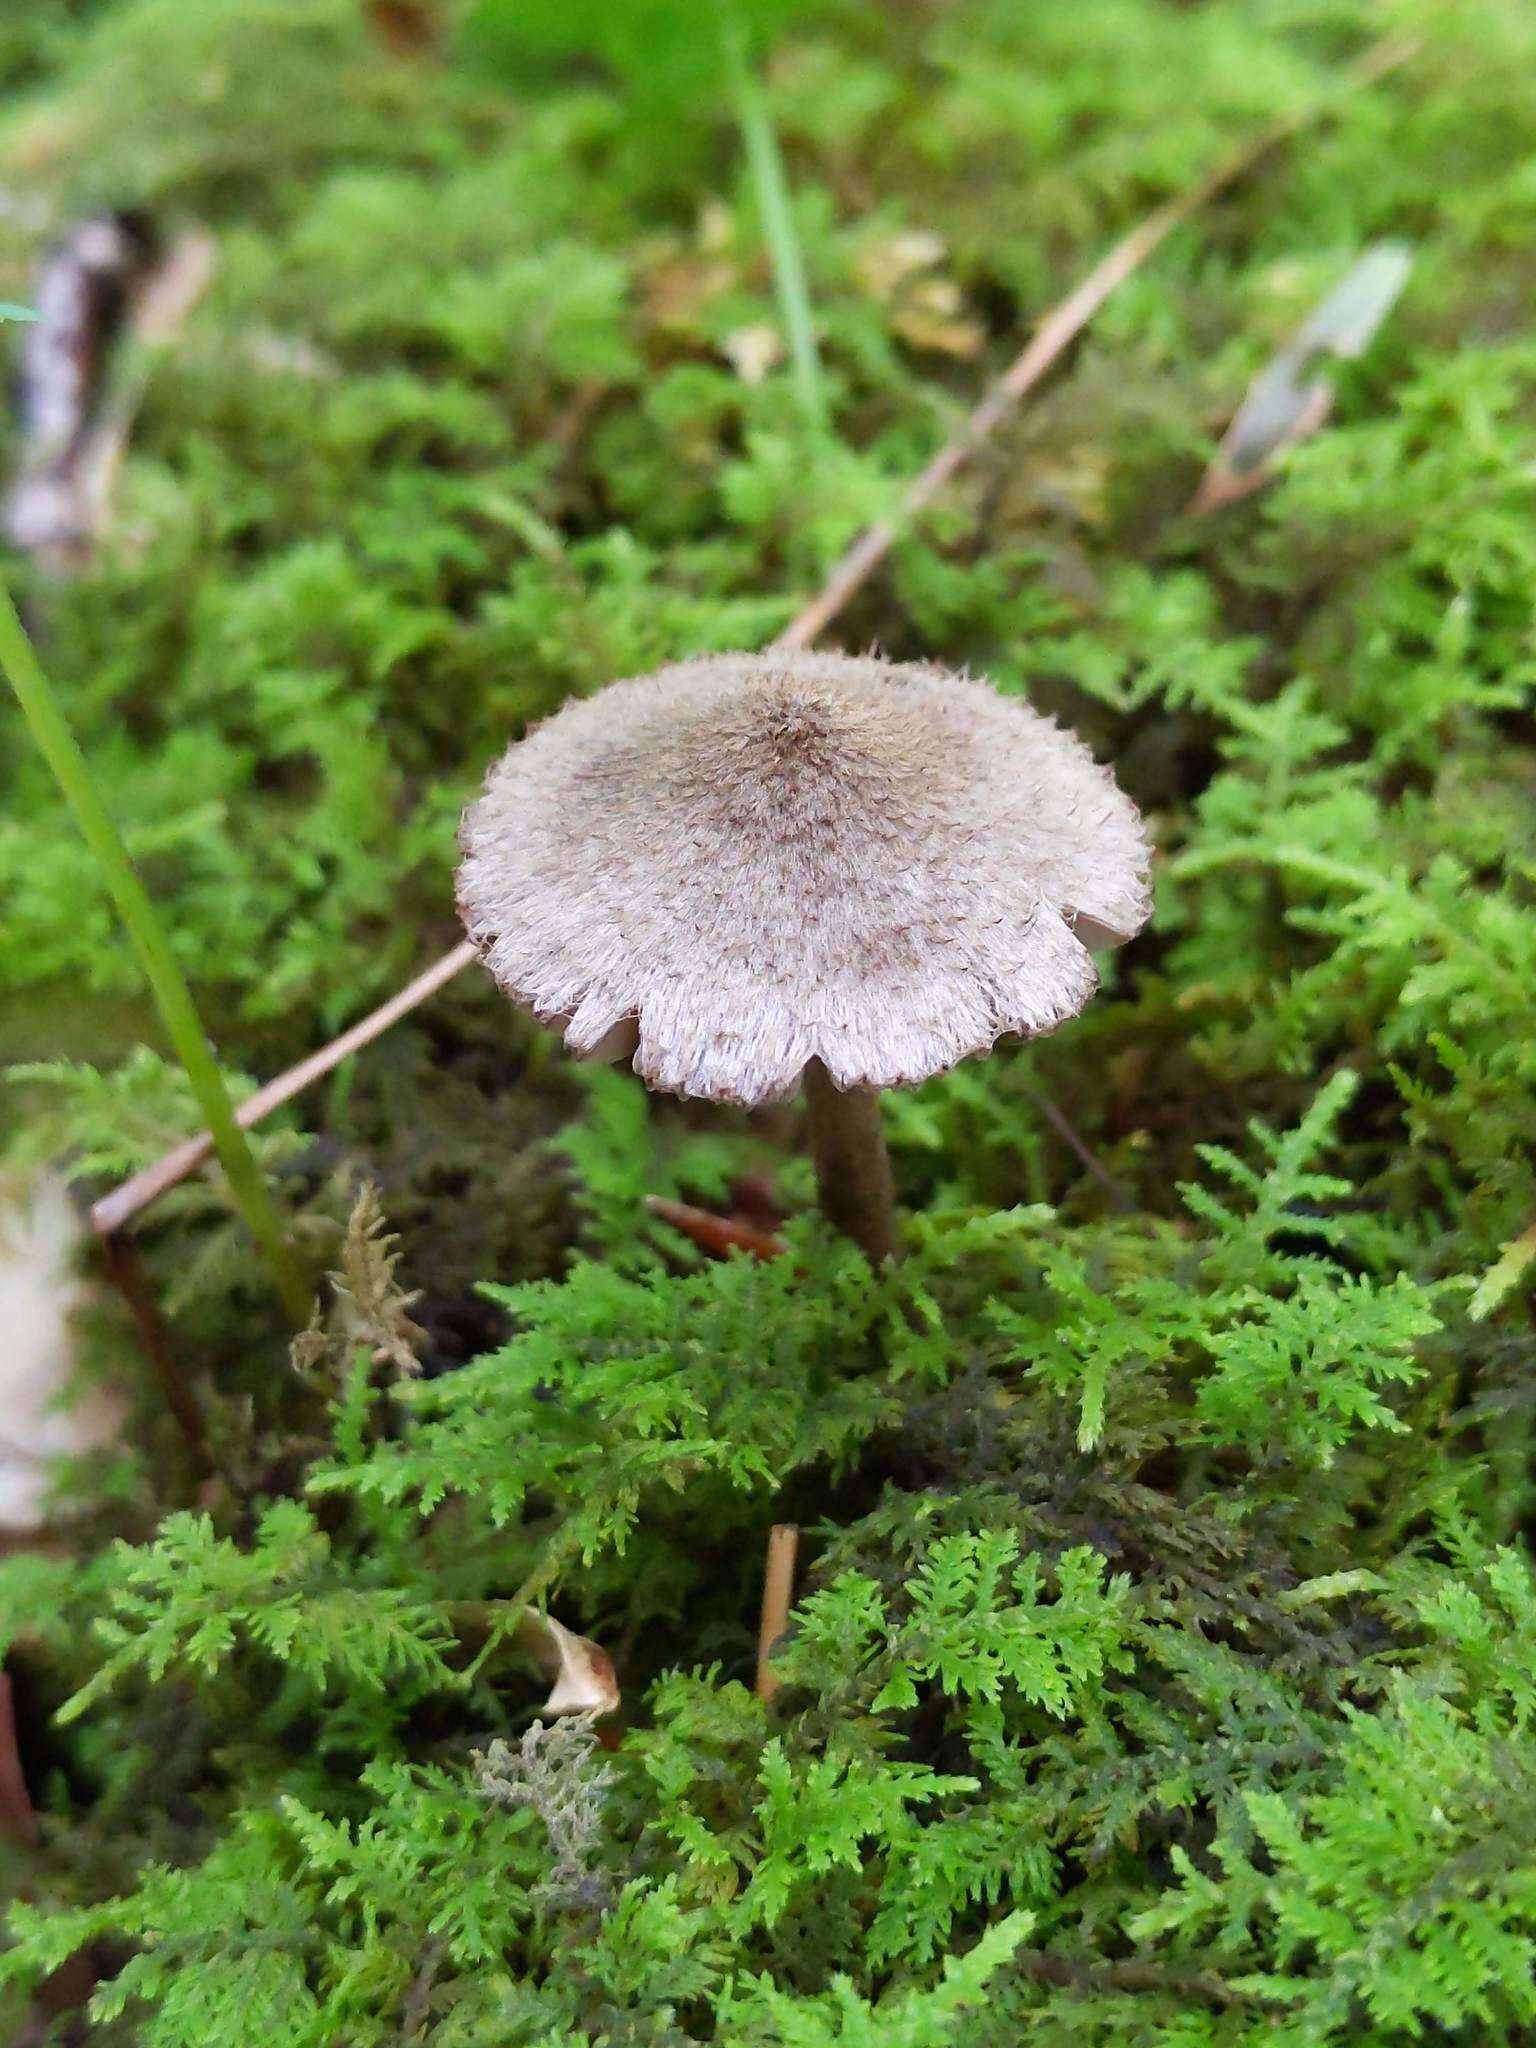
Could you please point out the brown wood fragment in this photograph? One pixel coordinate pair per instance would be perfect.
(716, 1234)
(778, 1591)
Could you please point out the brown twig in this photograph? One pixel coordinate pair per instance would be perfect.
(716, 1234)
(778, 1589)
(418, 2000)
(1051, 339)
(17, 1815)
(122, 1266)
(1076, 1144)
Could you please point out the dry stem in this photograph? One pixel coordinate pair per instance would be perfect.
(778, 1590)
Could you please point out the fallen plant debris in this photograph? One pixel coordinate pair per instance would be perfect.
(1156, 1660)
(718, 1235)
(1289, 399)
(108, 298)
(84, 304)
(778, 1594)
(583, 1680)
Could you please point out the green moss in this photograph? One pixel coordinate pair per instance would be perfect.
(1163, 1671)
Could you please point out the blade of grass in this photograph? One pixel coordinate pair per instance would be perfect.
(59, 748)
(771, 186)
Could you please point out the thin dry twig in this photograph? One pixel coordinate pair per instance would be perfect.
(121, 1261)
(778, 1590)
(1075, 1143)
(1052, 338)
(17, 1815)
(1055, 334)
(125, 1201)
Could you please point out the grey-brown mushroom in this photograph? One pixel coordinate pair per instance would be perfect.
(754, 872)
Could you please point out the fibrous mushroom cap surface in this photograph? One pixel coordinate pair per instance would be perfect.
(751, 861)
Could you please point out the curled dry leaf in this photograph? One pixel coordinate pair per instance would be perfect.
(1288, 400)
(583, 1678)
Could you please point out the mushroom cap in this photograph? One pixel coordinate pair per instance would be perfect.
(746, 862)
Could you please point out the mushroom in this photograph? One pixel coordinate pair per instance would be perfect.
(754, 872)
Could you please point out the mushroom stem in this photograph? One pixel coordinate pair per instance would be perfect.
(853, 1167)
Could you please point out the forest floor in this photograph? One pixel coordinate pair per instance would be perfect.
(1165, 1643)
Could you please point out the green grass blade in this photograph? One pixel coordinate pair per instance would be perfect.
(59, 748)
(771, 186)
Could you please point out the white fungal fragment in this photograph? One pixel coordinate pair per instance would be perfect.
(40, 1294)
